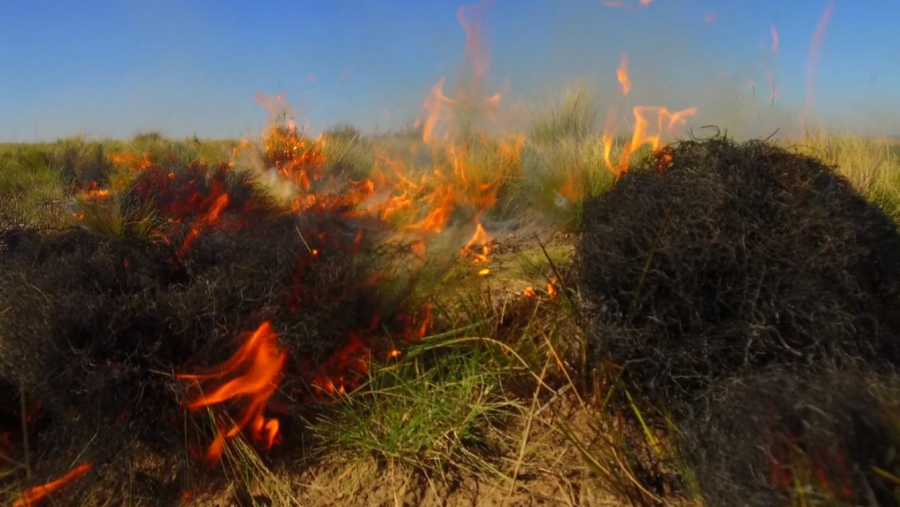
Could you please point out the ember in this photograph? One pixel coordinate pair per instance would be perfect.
(38, 493)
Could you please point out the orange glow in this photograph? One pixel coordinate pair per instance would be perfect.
(426, 323)
(650, 132)
(215, 205)
(528, 292)
(621, 3)
(343, 369)
(126, 160)
(622, 74)
(551, 290)
(256, 369)
(38, 493)
(479, 239)
(484, 272)
(470, 98)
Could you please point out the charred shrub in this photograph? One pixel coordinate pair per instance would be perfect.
(94, 327)
(772, 435)
(716, 260)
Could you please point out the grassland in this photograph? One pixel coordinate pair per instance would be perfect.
(496, 407)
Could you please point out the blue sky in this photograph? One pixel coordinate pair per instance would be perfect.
(115, 67)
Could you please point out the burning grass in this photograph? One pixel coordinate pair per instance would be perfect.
(105, 330)
(314, 299)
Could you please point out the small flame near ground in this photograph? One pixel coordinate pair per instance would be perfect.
(34, 495)
(255, 372)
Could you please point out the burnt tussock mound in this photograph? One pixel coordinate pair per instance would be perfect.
(95, 327)
(718, 259)
(768, 433)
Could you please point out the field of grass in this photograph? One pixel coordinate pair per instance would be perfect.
(498, 402)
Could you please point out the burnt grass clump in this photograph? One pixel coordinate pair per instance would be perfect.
(718, 259)
(95, 327)
(832, 432)
(753, 295)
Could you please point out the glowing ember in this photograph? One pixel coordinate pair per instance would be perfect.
(38, 493)
(256, 368)
(528, 292)
(214, 205)
(344, 368)
(480, 240)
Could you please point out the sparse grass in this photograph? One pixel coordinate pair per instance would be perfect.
(572, 117)
(871, 165)
(558, 176)
(31, 187)
(438, 407)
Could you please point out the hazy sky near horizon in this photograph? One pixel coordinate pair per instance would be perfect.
(185, 67)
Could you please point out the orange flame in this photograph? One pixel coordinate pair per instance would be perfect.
(648, 132)
(622, 74)
(258, 365)
(480, 239)
(471, 99)
(38, 493)
(214, 205)
(130, 161)
(815, 48)
(528, 292)
(344, 367)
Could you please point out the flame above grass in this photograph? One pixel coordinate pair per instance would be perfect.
(254, 372)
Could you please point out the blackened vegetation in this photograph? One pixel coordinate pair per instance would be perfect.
(732, 258)
(717, 264)
(832, 430)
(94, 327)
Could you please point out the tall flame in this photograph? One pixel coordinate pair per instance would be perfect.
(256, 369)
(646, 131)
(622, 74)
(470, 101)
(812, 66)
